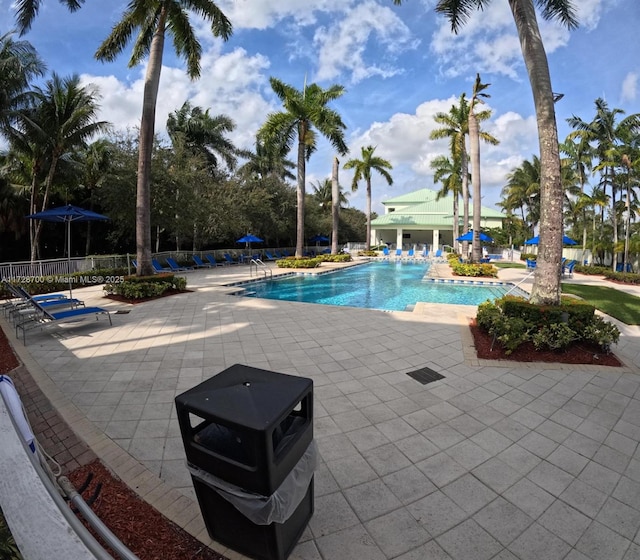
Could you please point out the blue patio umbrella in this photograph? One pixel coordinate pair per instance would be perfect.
(249, 239)
(536, 241)
(469, 237)
(67, 214)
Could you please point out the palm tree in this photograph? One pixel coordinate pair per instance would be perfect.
(95, 164)
(154, 19)
(268, 161)
(363, 168)
(303, 110)
(546, 285)
(522, 191)
(474, 149)
(322, 192)
(455, 126)
(27, 10)
(204, 134)
(447, 172)
(61, 120)
(607, 134)
(19, 63)
(579, 156)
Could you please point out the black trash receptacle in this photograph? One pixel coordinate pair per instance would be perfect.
(248, 427)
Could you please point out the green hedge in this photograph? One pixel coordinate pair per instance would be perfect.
(342, 257)
(304, 262)
(472, 269)
(514, 321)
(139, 287)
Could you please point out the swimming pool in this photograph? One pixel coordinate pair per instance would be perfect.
(385, 285)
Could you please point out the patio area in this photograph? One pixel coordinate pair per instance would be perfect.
(497, 460)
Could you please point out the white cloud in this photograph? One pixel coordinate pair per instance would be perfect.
(230, 85)
(261, 14)
(629, 87)
(342, 46)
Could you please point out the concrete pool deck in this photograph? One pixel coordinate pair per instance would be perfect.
(497, 460)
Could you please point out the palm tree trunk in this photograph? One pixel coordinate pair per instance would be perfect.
(145, 148)
(465, 197)
(302, 132)
(546, 284)
(335, 206)
(368, 211)
(45, 200)
(474, 149)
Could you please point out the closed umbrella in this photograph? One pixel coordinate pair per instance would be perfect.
(319, 239)
(68, 214)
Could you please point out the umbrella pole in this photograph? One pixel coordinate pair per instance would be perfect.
(69, 256)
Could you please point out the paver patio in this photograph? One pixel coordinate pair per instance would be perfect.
(496, 460)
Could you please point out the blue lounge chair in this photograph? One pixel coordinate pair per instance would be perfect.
(269, 256)
(385, 251)
(398, 252)
(229, 259)
(212, 260)
(411, 252)
(531, 264)
(567, 269)
(158, 267)
(438, 254)
(43, 318)
(199, 262)
(175, 267)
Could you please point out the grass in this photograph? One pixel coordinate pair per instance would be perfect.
(499, 264)
(616, 303)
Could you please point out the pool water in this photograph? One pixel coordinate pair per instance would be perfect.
(385, 285)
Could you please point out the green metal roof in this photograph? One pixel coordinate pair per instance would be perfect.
(420, 208)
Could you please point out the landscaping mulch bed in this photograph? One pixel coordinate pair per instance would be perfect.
(577, 354)
(140, 527)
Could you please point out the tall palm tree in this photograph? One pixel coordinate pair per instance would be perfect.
(19, 64)
(606, 133)
(523, 191)
(546, 285)
(579, 156)
(153, 19)
(363, 169)
(303, 111)
(474, 150)
(447, 172)
(27, 10)
(455, 126)
(62, 119)
(204, 134)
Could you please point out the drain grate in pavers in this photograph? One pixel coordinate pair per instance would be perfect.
(425, 375)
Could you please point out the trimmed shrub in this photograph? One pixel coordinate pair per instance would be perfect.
(340, 257)
(556, 336)
(304, 262)
(473, 269)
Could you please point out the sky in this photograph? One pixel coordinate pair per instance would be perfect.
(399, 65)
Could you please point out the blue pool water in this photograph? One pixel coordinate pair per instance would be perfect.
(386, 285)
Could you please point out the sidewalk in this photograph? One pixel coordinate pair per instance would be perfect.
(496, 460)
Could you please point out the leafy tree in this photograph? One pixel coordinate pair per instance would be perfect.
(19, 64)
(27, 10)
(154, 19)
(522, 192)
(546, 285)
(268, 160)
(362, 171)
(61, 119)
(303, 111)
(447, 172)
(204, 135)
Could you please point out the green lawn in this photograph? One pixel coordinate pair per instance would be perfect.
(499, 264)
(618, 304)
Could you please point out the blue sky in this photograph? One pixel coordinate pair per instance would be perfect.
(399, 64)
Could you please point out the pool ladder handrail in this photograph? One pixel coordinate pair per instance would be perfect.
(516, 286)
(258, 263)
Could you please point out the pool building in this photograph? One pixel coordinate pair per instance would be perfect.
(419, 218)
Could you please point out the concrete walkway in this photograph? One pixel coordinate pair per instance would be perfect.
(497, 460)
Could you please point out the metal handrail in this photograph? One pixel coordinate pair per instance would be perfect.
(259, 263)
(515, 286)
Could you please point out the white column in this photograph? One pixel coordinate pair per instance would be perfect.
(399, 238)
(436, 239)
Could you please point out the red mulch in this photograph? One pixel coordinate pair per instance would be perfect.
(140, 527)
(8, 360)
(577, 354)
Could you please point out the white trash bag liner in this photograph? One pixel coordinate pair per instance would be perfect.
(264, 510)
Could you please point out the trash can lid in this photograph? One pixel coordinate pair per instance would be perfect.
(246, 396)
